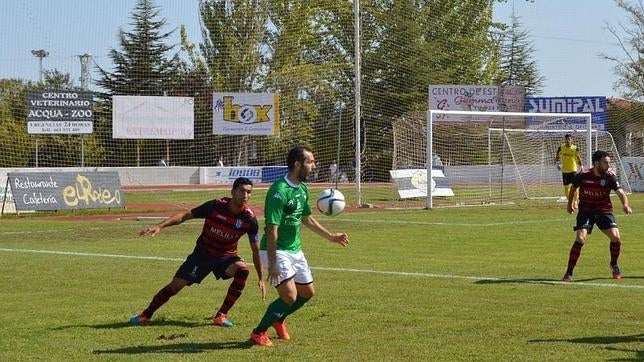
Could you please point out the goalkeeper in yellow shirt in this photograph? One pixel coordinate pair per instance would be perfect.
(569, 162)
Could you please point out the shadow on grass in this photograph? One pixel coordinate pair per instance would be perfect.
(635, 338)
(518, 280)
(118, 325)
(178, 348)
(545, 280)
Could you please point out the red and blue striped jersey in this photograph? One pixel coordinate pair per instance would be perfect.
(222, 229)
(594, 191)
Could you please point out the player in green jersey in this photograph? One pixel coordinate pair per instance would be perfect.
(286, 209)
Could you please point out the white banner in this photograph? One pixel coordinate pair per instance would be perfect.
(245, 114)
(148, 117)
(413, 183)
(634, 167)
(481, 98)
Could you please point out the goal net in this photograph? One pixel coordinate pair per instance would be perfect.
(492, 157)
(521, 160)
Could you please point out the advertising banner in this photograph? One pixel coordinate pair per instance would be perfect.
(226, 175)
(482, 98)
(634, 167)
(596, 106)
(60, 112)
(149, 117)
(245, 114)
(66, 190)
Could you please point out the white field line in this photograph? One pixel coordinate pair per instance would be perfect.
(350, 270)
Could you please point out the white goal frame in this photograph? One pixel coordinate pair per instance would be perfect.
(430, 122)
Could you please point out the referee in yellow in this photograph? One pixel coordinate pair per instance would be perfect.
(569, 162)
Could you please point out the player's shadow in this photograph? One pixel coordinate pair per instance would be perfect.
(178, 348)
(545, 280)
(609, 278)
(605, 340)
(518, 280)
(118, 325)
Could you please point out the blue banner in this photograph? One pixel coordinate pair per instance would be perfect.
(596, 106)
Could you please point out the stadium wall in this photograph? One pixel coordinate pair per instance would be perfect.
(179, 175)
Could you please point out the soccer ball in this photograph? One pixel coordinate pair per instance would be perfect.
(331, 202)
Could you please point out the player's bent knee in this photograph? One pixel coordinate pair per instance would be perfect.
(242, 272)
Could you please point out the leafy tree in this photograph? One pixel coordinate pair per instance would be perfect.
(16, 147)
(517, 63)
(630, 69)
(230, 55)
(410, 45)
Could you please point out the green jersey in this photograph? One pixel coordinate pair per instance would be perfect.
(285, 206)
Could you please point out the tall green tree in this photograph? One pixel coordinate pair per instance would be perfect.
(517, 62)
(630, 66)
(142, 66)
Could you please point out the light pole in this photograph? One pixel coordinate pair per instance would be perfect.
(85, 59)
(40, 54)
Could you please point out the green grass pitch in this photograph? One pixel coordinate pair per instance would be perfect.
(478, 283)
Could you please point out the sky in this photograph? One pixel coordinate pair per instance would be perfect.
(568, 36)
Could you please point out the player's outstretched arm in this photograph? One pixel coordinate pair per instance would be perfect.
(259, 268)
(624, 199)
(176, 219)
(311, 223)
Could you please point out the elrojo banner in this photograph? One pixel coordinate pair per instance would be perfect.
(65, 190)
(245, 114)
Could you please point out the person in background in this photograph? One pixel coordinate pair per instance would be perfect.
(220, 162)
(333, 171)
(595, 207)
(568, 162)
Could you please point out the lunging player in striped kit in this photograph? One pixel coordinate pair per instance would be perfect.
(226, 220)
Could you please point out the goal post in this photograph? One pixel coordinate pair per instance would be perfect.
(478, 176)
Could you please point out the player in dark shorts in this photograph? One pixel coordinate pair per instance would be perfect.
(226, 221)
(595, 208)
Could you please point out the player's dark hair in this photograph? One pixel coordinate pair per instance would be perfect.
(296, 154)
(241, 181)
(568, 135)
(598, 155)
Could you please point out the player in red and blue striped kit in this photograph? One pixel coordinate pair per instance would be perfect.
(226, 221)
(595, 207)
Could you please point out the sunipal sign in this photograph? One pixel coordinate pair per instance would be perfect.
(245, 114)
(596, 106)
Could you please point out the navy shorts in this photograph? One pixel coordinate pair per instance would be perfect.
(197, 266)
(568, 177)
(586, 220)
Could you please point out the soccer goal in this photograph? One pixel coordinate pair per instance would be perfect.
(492, 157)
(522, 160)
